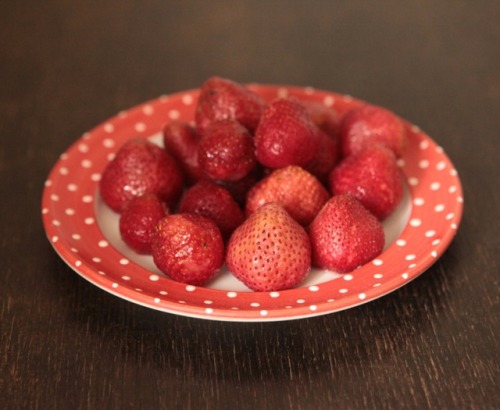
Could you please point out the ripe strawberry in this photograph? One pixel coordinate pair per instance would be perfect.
(373, 177)
(188, 248)
(295, 189)
(286, 135)
(213, 201)
(239, 189)
(324, 117)
(345, 235)
(269, 251)
(140, 167)
(181, 140)
(326, 157)
(222, 99)
(371, 124)
(138, 220)
(226, 151)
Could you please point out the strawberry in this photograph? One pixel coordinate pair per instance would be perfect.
(215, 202)
(295, 189)
(326, 157)
(181, 140)
(286, 134)
(138, 220)
(345, 235)
(269, 251)
(140, 167)
(188, 248)
(226, 151)
(222, 99)
(372, 124)
(239, 189)
(324, 117)
(373, 177)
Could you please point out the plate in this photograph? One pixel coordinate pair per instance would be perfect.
(84, 232)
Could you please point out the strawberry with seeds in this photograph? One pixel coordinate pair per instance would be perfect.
(213, 201)
(286, 134)
(222, 99)
(345, 235)
(188, 248)
(299, 192)
(140, 167)
(226, 151)
(373, 177)
(269, 251)
(138, 220)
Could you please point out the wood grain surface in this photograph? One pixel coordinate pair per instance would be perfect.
(67, 66)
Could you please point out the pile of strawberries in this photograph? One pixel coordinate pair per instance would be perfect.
(269, 188)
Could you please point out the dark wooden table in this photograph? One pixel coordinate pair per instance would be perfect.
(67, 66)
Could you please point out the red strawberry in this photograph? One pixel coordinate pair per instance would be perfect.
(286, 135)
(324, 117)
(138, 220)
(295, 189)
(215, 202)
(373, 177)
(140, 167)
(222, 99)
(371, 124)
(326, 157)
(239, 189)
(181, 140)
(345, 235)
(226, 151)
(269, 251)
(188, 248)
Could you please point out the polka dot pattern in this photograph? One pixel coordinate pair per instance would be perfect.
(70, 213)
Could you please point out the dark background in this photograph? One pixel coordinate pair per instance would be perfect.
(67, 66)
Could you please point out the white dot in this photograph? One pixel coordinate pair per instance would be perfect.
(453, 172)
(100, 272)
(362, 296)
(54, 197)
(378, 276)
(140, 127)
(378, 262)
(95, 177)
(435, 186)
(64, 171)
(453, 226)
(424, 163)
(313, 288)
(415, 128)
(208, 302)
(69, 211)
(439, 208)
(401, 242)
(74, 250)
(329, 101)
(111, 156)
(441, 165)
(439, 150)
(410, 257)
(436, 242)
(154, 278)
(148, 109)
(404, 276)
(413, 181)
(430, 234)
(76, 236)
(96, 259)
(64, 156)
(102, 243)
(419, 201)
(231, 294)
(156, 300)
(400, 162)
(452, 189)
(343, 290)
(412, 265)
(313, 308)
(255, 304)
(460, 199)
(376, 285)
(108, 143)
(45, 211)
(109, 128)
(48, 182)
(163, 292)
(78, 263)
(282, 92)
(434, 254)
(450, 216)
(55, 239)
(174, 114)
(187, 99)
(163, 98)
(83, 148)
(207, 310)
(415, 222)
(86, 163)
(263, 312)
(274, 294)
(72, 187)
(87, 199)
(301, 301)
(124, 261)
(348, 277)
(190, 288)
(55, 222)
(424, 144)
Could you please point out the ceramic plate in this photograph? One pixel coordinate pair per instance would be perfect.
(84, 232)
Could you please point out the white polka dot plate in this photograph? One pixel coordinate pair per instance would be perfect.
(84, 232)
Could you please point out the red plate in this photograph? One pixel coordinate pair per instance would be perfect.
(84, 232)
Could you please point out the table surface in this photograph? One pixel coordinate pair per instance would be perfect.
(66, 67)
